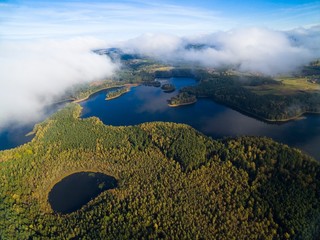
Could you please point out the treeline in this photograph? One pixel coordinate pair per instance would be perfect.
(183, 98)
(174, 183)
(83, 91)
(177, 72)
(312, 70)
(116, 93)
(230, 90)
(220, 85)
(168, 87)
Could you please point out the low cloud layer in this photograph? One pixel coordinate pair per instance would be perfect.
(32, 74)
(250, 49)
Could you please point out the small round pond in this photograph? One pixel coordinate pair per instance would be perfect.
(77, 189)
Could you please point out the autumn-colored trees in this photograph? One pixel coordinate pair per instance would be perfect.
(173, 182)
(232, 91)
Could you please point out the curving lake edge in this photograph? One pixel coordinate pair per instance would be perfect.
(76, 190)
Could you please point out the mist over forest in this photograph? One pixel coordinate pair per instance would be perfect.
(35, 73)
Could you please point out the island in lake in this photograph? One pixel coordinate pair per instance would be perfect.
(117, 93)
(162, 179)
(154, 83)
(270, 99)
(168, 88)
(161, 174)
(182, 99)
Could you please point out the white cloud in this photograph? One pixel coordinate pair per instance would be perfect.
(249, 49)
(116, 20)
(32, 74)
(308, 38)
(154, 45)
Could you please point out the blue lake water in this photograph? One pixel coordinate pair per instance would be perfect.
(146, 104)
(76, 190)
(15, 134)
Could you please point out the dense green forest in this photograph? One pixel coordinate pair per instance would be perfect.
(173, 183)
(117, 93)
(83, 91)
(259, 96)
(182, 98)
(168, 87)
(232, 91)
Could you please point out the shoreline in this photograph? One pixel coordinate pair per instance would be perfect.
(119, 95)
(168, 91)
(284, 120)
(106, 88)
(87, 97)
(253, 115)
(181, 104)
(49, 184)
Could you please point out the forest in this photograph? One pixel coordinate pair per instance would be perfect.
(233, 91)
(182, 99)
(168, 87)
(259, 96)
(173, 183)
(117, 93)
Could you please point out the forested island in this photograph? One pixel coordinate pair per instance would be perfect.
(152, 83)
(173, 182)
(182, 99)
(273, 100)
(246, 95)
(168, 87)
(117, 93)
(82, 92)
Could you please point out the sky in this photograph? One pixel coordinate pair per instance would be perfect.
(124, 19)
(46, 46)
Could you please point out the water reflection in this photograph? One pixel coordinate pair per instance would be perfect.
(146, 104)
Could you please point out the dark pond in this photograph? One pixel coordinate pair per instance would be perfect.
(146, 104)
(77, 189)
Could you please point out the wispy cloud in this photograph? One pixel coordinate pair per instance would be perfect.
(247, 49)
(110, 19)
(123, 19)
(34, 68)
(302, 15)
(33, 73)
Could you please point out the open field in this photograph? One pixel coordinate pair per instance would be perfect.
(289, 86)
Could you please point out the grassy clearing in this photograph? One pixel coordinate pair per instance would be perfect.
(154, 68)
(289, 86)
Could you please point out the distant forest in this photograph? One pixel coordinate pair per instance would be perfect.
(259, 96)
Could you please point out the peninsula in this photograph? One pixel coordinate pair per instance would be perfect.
(269, 99)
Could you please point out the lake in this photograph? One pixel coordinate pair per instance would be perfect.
(76, 190)
(146, 104)
(15, 134)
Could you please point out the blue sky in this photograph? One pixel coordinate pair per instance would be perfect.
(129, 18)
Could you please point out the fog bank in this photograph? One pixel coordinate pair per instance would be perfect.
(32, 74)
(258, 50)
